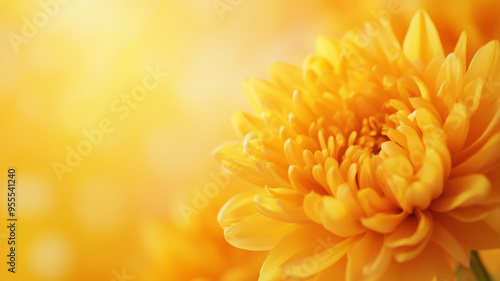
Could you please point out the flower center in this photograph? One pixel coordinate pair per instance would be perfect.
(366, 141)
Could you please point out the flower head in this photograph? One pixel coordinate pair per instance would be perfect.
(375, 161)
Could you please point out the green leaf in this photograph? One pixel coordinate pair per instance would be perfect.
(477, 267)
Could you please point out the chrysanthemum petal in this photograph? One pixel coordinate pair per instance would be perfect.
(494, 178)
(312, 203)
(334, 272)
(461, 49)
(411, 231)
(482, 161)
(301, 182)
(233, 158)
(452, 72)
(431, 264)
(407, 253)
(482, 62)
(422, 39)
(480, 133)
(447, 241)
(384, 222)
(471, 95)
(257, 232)
(456, 127)
(245, 123)
(428, 182)
(301, 108)
(416, 195)
(321, 260)
(287, 76)
(330, 49)
(337, 218)
(462, 192)
(425, 112)
(367, 177)
(471, 213)
(372, 202)
(434, 140)
(368, 259)
(478, 235)
(265, 95)
(237, 209)
(288, 210)
(310, 238)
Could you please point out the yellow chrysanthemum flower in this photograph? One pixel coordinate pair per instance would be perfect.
(375, 161)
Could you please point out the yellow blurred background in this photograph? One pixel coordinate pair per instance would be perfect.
(109, 111)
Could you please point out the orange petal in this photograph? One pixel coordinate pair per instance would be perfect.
(456, 127)
(334, 272)
(257, 232)
(431, 264)
(478, 235)
(447, 241)
(245, 123)
(330, 49)
(237, 209)
(322, 259)
(233, 158)
(422, 40)
(287, 76)
(384, 222)
(279, 208)
(412, 231)
(471, 213)
(372, 202)
(368, 259)
(482, 62)
(462, 192)
(266, 96)
(482, 161)
(312, 202)
(460, 49)
(337, 218)
(309, 237)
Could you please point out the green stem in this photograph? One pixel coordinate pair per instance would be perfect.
(477, 268)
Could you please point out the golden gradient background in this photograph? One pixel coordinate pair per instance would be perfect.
(119, 209)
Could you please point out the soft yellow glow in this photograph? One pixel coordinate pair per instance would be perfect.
(67, 75)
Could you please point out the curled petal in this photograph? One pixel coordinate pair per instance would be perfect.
(237, 209)
(478, 235)
(337, 218)
(369, 258)
(412, 231)
(257, 232)
(482, 161)
(462, 192)
(319, 261)
(282, 209)
(384, 222)
(310, 237)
